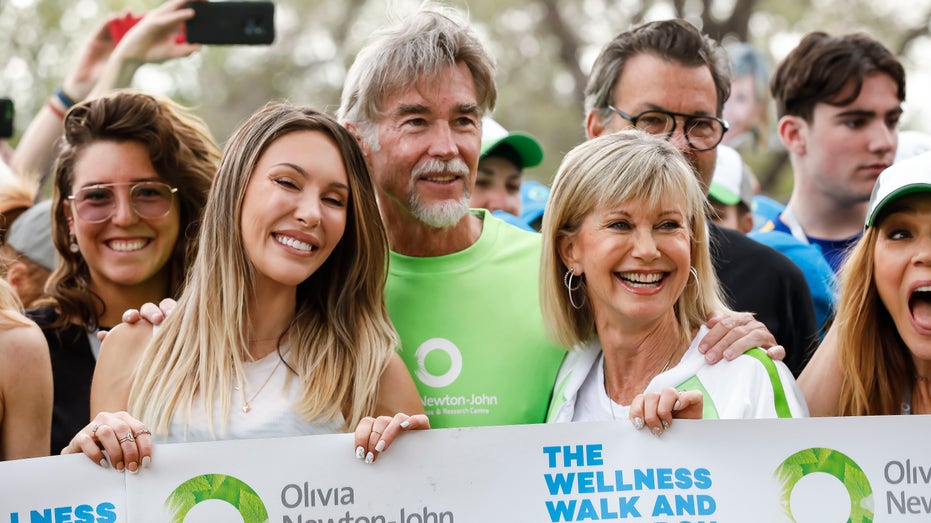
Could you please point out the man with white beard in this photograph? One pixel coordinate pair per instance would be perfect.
(463, 287)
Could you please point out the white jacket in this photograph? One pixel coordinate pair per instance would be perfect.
(750, 386)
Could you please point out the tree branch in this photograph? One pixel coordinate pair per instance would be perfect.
(568, 47)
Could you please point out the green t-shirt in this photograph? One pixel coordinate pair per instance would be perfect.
(471, 329)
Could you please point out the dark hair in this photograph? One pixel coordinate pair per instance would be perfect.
(674, 40)
(821, 66)
(181, 150)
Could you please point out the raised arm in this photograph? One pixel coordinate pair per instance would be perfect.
(35, 152)
(101, 67)
(154, 39)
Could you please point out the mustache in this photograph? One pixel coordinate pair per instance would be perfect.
(455, 166)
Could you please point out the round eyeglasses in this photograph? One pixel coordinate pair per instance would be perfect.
(702, 133)
(97, 203)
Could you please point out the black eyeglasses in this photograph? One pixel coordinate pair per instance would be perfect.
(702, 133)
(97, 203)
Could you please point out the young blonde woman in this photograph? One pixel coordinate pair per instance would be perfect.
(131, 180)
(281, 329)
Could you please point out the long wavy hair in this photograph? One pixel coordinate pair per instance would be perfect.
(877, 365)
(184, 155)
(340, 338)
(608, 170)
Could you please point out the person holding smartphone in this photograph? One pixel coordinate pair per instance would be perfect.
(105, 63)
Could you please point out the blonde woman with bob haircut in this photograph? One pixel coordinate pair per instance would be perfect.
(627, 281)
(281, 329)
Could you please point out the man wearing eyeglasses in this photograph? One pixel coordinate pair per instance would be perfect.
(667, 78)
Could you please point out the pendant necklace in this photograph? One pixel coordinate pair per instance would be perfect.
(246, 401)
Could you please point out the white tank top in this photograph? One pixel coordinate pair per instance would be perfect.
(271, 398)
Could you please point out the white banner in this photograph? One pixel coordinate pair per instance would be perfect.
(807, 470)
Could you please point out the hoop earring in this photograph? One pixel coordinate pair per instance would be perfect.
(694, 274)
(567, 281)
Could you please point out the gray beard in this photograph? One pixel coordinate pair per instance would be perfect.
(441, 215)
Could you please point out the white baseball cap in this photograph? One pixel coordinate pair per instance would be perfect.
(902, 178)
(731, 184)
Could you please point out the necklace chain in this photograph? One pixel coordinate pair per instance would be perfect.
(246, 401)
(611, 400)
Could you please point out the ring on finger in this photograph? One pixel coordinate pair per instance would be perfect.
(128, 438)
(94, 428)
(143, 431)
(376, 432)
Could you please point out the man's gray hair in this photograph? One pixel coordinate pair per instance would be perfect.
(415, 49)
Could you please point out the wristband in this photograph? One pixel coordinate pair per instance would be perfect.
(52, 107)
(65, 100)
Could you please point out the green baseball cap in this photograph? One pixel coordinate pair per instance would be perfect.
(527, 147)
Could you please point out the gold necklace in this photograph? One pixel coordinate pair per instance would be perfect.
(246, 401)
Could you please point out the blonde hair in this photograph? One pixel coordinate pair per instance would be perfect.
(876, 364)
(607, 171)
(340, 337)
(10, 307)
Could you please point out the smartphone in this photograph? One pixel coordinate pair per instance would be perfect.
(6, 118)
(231, 23)
(119, 27)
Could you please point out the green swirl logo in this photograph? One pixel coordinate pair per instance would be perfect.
(220, 487)
(836, 464)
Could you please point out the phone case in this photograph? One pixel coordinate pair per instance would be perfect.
(119, 27)
(232, 23)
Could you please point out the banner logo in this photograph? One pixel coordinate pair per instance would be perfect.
(447, 377)
(835, 464)
(219, 487)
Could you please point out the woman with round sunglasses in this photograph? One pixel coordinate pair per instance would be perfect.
(131, 180)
